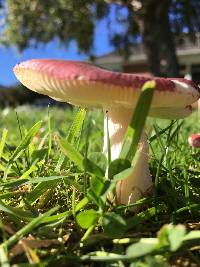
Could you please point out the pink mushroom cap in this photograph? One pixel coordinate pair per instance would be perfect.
(86, 85)
(194, 140)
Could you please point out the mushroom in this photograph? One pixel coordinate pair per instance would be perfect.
(86, 85)
(194, 140)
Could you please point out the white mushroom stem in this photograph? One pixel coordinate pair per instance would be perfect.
(139, 182)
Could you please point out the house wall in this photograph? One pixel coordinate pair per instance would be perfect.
(188, 69)
(189, 60)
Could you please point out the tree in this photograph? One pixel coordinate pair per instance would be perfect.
(30, 22)
(159, 22)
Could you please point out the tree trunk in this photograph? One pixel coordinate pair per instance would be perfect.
(152, 18)
(158, 38)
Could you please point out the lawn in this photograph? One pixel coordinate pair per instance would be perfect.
(53, 206)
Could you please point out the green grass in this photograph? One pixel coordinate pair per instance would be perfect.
(52, 199)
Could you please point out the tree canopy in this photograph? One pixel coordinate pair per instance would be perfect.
(29, 22)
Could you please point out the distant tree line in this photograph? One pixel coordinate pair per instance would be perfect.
(19, 95)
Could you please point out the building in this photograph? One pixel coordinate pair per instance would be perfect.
(188, 54)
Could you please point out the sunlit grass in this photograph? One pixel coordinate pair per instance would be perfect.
(56, 207)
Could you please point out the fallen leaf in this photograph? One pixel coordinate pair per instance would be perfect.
(32, 244)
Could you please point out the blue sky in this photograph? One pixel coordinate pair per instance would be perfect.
(10, 57)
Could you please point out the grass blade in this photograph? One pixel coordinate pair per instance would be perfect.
(3, 141)
(84, 164)
(49, 135)
(28, 228)
(69, 150)
(4, 262)
(76, 125)
(137, 122)
(15, 211)
(25, 142)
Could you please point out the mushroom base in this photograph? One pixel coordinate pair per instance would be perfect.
(139, 182)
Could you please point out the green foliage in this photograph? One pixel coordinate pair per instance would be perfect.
(142, 248)
(32, 22)
(87, 218)
(114, 225)
(118, 166)
(169, 238)
(43, 21)
(74, 226)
